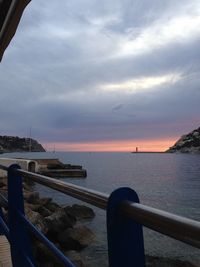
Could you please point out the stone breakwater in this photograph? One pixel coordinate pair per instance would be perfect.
(61, 224)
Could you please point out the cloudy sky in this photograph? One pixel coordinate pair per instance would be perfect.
(104, 75)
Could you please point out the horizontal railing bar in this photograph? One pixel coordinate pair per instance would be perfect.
(87, 195)
(178, 227)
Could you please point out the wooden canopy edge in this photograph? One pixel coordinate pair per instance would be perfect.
(10, 23)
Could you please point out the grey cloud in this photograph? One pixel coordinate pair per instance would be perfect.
(117, 107)
(52, 82)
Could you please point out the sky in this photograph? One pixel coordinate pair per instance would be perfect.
(110, 75)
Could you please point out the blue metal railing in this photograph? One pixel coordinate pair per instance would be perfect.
(125, 217)
(18, 226)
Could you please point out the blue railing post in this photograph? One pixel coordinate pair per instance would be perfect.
(20, 246)
(125, 237)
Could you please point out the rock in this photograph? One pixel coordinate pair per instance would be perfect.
(44, 211)
(27, 185)
(31, 206)
(32, 197)
(52, 206)
(75, 258)
(36, 219)
(45, 201)
(58, 224)
(59, 221)
(44, 256)
(80, 211)
(76, 238)
(153, 261)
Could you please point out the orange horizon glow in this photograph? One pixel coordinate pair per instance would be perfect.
(158, 145)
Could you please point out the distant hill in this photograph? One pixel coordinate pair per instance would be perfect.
(17, 144)
(189, 143)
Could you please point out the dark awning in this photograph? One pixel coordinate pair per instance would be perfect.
(10, 15)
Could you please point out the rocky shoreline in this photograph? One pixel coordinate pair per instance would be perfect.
(64, 226)
(19, 144)
(60, 224)
(188, 143)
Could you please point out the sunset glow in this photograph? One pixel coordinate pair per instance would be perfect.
(114, 146)
(143, 83)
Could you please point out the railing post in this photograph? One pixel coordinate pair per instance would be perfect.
(125, 237)
(19, 240)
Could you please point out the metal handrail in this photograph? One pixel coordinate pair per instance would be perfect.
(15, 228)
(178, 227)
(87, 195)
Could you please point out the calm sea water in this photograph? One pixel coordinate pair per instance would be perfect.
(166, 181)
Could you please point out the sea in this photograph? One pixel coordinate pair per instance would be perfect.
(170, 182)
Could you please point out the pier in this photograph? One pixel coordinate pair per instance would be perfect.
(50, 167)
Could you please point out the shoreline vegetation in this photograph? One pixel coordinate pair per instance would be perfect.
(64, 226)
